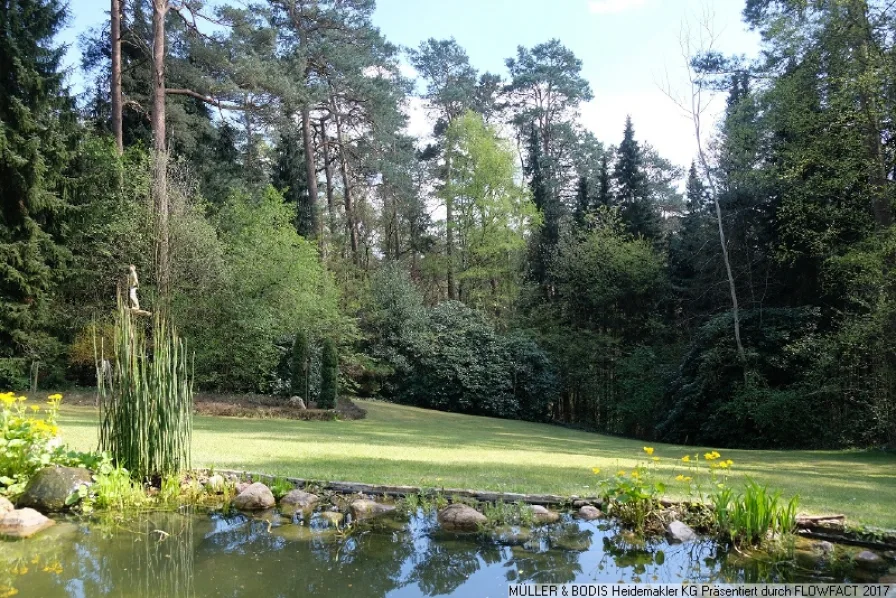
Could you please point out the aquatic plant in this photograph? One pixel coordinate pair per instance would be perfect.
(749, 517)
(146, 405)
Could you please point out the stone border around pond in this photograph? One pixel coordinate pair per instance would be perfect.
(826, 527)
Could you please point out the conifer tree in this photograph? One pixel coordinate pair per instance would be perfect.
(632, 192)
(34, 108)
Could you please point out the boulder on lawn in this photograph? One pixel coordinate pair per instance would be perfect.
(541, 514)
(297, 402)
(22, 523)
(298, 499)
(48, 489)
(458, 517)
(256, 497)
(589, 513)
(679, 532)
(363, 508)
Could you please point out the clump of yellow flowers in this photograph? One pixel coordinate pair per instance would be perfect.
(27, 433)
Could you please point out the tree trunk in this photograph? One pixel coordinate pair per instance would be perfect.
(328, 169)
(160, 149)
(347, 191)
(115, 37)
(449, 232)
(310, 164)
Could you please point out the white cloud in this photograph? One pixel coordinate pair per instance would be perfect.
(608, 7)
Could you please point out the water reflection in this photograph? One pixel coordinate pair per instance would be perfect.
(224, 555)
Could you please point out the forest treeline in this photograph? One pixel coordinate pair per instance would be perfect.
(254, 164)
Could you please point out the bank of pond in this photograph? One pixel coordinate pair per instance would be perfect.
(237, 538)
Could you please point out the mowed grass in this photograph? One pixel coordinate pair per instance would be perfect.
(403, 445)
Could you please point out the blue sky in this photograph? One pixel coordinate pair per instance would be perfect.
(630, 49)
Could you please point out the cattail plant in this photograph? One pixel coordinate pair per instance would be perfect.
(146, 405)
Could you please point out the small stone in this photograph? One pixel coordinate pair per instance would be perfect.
(511, 536)
(298, 499)
(541, 514)
(679, 532)
(297, 402)
(458, 517)
(5, 506)
(571, 542)
(22, 523)
(869, 560)
(825, 546)
(590, 513)
(49, 488)
(256, 497)
(367, 508)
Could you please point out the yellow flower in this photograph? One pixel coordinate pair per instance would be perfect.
(20, 570)
(648, 450)
(8, 400)
(656, 458)
(708, 456)
(686, 458)
(55, 397)
(635, 474)
(595, 470)
(53, 568)
(687, 478)
(679, 477)
(35, 408)
(729, 462)
(620, 473)
(715, 455)
(7, 591)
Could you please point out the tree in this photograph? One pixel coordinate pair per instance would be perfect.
(290, 176)
(493, 213)
(329, 375)
(35, 113)
(300, 384)
(632, 191)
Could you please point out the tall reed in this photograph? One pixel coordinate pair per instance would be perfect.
(146, 405)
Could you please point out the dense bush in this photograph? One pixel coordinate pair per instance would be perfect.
(451, 358)
(715, 401)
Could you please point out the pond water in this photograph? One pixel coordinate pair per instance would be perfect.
(269, 555)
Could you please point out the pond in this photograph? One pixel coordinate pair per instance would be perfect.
(198, 554)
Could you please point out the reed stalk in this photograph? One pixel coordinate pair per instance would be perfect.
(146, 405)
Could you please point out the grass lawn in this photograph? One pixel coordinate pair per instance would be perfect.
(405, 445)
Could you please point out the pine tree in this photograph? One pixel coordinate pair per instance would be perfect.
(34, 107)
(632, 192)
(290, 176)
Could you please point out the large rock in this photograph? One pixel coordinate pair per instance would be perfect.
(541, 514)
(462, 518)
(5, 506)
(679, 532)
(297, 499)
(870, 560)
(256, 497)
(22, 523)
(297, 402)
(49, 488)
(589, 513)
(363, 508)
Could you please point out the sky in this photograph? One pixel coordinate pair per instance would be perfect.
(629, 48)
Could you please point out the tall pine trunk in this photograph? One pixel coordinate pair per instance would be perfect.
(160, 149)
(115, 36)
(310, 164)
(347, 189)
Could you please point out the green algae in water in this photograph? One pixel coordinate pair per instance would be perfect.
(186, 554)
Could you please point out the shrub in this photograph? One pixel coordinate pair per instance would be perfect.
(329, 375)
(300, 367)
(749, 517)
(26, 440)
